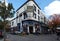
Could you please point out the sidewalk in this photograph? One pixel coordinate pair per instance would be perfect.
(1, 39)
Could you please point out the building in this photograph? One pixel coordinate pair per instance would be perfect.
(29, 18)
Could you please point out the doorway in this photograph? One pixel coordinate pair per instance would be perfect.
(31, 29)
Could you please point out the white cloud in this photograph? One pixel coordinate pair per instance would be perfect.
(52, 8)
(5, 2)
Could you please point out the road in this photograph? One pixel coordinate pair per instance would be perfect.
(31, 37)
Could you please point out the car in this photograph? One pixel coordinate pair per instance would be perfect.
(58, 29)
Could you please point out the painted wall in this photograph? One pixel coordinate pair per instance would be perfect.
(14, 23)
(30, 14)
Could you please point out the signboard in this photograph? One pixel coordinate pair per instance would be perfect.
(29, 8)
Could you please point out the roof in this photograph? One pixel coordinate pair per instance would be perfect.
(26, 3)
(13, 19)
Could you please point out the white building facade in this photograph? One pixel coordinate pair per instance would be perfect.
(29, 18)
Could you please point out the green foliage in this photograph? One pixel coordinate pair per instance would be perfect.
(5, 12)
(1, 24)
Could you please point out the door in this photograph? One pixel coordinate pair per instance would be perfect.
(31, 29)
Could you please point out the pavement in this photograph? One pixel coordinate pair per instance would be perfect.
(31, 37)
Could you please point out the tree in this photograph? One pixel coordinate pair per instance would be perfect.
(50, 24)
(54, 20)
(1, 25)
(6, 12)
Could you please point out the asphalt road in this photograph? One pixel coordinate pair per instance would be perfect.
(31, 37)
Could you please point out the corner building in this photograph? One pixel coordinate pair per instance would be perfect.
(29, 18)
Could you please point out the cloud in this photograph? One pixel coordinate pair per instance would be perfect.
(52, 8)
(6, 2)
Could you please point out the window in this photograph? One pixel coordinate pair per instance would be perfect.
(12, 23)
(20, 15)
(44, 19)
(17, 17)
(25, 15)
(38, 18)
(34, 8)
(38, 11)
(34, 15)
(18, 27)
(41, 18)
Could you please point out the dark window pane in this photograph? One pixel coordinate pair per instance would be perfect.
(20, 15)
(12, 23)
(25, 16)
(34, 8)
(38, 11)
(34, 15)
(38, 18)
(18, 27)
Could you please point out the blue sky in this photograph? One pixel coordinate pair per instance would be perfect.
(49, 7)
(41, 3)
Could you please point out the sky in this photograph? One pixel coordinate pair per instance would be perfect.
(49, 7)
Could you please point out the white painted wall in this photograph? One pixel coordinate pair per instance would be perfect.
(14, 23)
(24, 8)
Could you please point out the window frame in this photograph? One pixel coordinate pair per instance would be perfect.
(34, 8)
(34, 15)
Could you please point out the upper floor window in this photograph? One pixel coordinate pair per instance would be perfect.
(34, 15)
(34, 8)
(20, 15)
(38, 11)
(44, 19)
(25, 15)
(41, 18)
(17, 17)
(38, 18)
(12, 23)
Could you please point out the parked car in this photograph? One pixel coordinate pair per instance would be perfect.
(58, 32)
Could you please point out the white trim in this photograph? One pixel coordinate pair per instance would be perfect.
(33, 29)
(28, 29)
